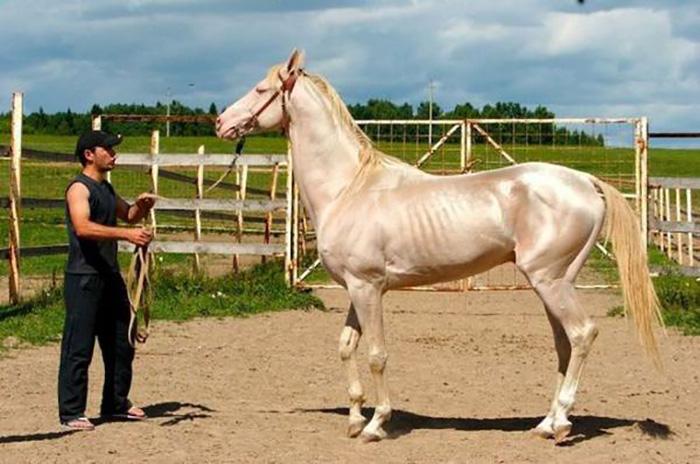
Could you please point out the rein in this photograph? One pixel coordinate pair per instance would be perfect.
(239, 152)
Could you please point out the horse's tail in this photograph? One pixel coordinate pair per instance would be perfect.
(640, 300)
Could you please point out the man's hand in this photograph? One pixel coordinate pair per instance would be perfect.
(139, 236)
(145, 202)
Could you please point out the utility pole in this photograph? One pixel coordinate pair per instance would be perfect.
(169, 97)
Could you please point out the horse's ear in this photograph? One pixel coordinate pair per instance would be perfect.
(296, 61)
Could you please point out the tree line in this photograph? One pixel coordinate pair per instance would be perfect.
(74, 123)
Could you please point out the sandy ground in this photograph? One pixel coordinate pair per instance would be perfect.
(469, 374)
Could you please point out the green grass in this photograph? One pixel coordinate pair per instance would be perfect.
(45, 226)
(176, 296)
(36, 321)
(679, 295)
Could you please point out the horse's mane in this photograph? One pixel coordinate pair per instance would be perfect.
(370, 156)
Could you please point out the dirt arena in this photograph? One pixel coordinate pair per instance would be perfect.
(469, 374)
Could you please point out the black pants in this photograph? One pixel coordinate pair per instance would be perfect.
(96, 305)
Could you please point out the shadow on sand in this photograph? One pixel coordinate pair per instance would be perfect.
(170, 410)
(585, 427)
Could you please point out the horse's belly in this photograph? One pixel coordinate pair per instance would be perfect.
(418, 266)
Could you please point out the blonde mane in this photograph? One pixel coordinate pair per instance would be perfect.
(370, 156)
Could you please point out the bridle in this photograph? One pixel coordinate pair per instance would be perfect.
(285, 90)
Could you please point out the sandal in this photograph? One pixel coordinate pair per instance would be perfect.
(133, 413)
(81, 424)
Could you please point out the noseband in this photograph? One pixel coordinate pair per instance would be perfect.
(284, 90)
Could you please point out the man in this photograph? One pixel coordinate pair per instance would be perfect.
(95, 294)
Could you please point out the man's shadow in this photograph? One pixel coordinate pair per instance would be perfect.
(584, 427)
(172, 410)
(169, 409)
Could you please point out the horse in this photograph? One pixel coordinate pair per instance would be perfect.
(382, 224)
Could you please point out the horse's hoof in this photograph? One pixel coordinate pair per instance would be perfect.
(561, 432)
(377, 435)
(355, 426)
(542, 432)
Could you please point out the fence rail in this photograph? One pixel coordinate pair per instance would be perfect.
(673, 226)
(258, 209)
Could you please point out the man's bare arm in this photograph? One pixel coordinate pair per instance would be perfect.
(77, 199)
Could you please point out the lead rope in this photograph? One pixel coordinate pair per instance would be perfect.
(139, 292)
(239, 151)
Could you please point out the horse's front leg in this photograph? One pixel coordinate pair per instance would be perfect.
(367, 301)
(349, 338)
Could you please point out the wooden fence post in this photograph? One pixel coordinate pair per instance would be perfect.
(644, 180)
(667, 215)
(295, 232)
(468, 148)
(242, 181)
(289, 227)
(15, 197)
(679, 236)
(198, 212)
(689, 217)
(155, 149)
(97, 125)
(661, 217)
(463, 147)
(637, 166)
(268, 216)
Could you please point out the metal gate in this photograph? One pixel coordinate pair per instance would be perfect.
(614, 149)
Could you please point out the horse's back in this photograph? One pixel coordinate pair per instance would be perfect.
(432, 228)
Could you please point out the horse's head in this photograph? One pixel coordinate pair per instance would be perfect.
(263, 107)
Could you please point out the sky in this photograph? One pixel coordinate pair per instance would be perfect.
(605, 58)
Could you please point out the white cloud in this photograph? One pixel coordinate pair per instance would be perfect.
(604, 59)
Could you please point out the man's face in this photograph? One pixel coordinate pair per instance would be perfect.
(103, 158)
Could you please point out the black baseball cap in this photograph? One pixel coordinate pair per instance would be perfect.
(96, 138)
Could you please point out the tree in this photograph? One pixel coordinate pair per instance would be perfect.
(423, 110)
(463, 111)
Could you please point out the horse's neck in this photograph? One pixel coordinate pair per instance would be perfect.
(325, 154)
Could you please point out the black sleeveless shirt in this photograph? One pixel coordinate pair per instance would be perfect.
(93, 256)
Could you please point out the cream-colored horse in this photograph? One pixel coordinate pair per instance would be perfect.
(382, 224)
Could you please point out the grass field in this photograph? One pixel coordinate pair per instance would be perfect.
(41, 226)
(181, 297)
(176, 296)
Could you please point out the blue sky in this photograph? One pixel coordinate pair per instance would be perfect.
(605, 58)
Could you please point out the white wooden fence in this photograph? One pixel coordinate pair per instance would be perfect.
(673, 225)
(198, 205)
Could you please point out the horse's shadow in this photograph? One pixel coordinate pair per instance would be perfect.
(171, 410)
(585, 427)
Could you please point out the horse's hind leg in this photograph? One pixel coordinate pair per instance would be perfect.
(367, 301)
(349, 338)
(545, 428)
(559, 297)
